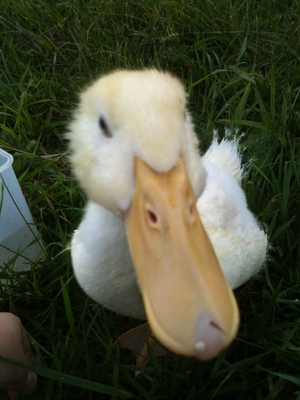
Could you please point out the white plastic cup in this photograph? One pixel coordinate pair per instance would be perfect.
(19, 237)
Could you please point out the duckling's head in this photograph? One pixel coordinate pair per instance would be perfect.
(134, 152)
(127, 115)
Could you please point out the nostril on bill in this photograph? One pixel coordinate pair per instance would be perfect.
(209, 338)
(192, 212)
(151, 216)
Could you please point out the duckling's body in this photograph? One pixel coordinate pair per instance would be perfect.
(141, 245)
(105, 268)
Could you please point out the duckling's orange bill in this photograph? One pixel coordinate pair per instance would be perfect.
(189, 304)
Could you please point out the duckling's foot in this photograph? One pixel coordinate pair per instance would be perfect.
(137, 340)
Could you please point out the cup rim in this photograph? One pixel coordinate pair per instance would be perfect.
(8, 160)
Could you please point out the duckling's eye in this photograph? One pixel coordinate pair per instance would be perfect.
(105, 129)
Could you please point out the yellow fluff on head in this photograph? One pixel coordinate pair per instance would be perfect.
(145, 113)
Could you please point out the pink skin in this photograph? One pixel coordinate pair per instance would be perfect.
(14, 344)
(209, 337)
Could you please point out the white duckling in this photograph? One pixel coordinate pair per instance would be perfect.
(141, 249)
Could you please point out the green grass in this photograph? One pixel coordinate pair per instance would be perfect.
(240, 62)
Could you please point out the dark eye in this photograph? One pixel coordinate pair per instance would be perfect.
(105, 129)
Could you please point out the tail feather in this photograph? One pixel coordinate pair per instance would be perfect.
(226, 155)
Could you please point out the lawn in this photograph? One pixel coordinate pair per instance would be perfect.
(240, 62)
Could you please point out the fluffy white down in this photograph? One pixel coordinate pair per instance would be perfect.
(102, 262)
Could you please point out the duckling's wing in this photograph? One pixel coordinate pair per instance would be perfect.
(239, 241)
